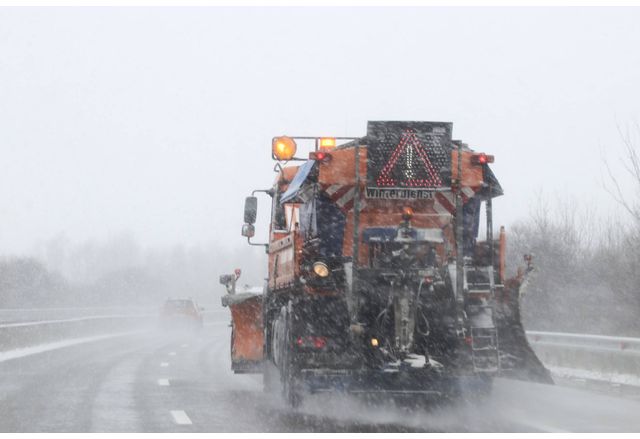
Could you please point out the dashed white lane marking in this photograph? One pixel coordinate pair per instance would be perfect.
(172, 353)
(180, 417)
(164, 364)
(163, 382)
(184, 346)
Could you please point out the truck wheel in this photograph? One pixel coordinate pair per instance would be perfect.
(293, 396)
(291, 385)
(269, 376)
(269, 370)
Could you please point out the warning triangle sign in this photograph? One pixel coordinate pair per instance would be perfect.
(409, 165)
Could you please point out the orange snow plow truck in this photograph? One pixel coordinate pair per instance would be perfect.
(377, 281)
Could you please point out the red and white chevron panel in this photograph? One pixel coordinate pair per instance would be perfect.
(343, 195)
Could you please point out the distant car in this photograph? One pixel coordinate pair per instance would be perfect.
(181, 313)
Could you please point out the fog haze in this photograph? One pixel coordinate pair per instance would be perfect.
(130, 137)
(157, 121)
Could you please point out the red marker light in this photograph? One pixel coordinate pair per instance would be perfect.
(311, 341)
(320, 156)
(468, 340)
(481, 159)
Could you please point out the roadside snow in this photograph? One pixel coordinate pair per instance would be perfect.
(617, 378)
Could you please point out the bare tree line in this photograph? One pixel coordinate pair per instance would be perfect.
(631, 164)
(119, 272)
(587, 267)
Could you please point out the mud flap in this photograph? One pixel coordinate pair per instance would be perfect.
(517, 358)
(247, 336)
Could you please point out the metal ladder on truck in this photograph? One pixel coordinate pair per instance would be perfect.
(479, 286)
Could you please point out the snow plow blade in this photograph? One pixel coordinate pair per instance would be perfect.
(247, 337)
(517, 358)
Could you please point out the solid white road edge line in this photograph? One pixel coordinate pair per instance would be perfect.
(163, 382)
(180, 417)
(38, 349)
(76, 319)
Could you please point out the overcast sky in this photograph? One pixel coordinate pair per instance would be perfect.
(159, 120)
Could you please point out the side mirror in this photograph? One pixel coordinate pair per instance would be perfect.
(250, 210)
(248, 230)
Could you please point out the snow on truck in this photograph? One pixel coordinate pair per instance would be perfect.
(377, 281)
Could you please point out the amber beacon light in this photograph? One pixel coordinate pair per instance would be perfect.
(327, 143)
(284, 148)
(407, 213)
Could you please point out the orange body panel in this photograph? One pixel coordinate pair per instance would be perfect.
(282, 260)
(472, 175)
(248, 336)
(340, 170)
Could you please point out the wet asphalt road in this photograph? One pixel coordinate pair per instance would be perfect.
(161, 382)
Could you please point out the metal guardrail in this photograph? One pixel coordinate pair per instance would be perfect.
(600, 342)
(598, 356)
(31, 327)
(14, 335)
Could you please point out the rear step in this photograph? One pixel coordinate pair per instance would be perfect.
(484, 350)
(485, 354)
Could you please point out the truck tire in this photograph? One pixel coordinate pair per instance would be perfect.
(269, 376)
(291, 383)
(293, 396)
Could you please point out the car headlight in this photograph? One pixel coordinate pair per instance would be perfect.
(321, 269)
